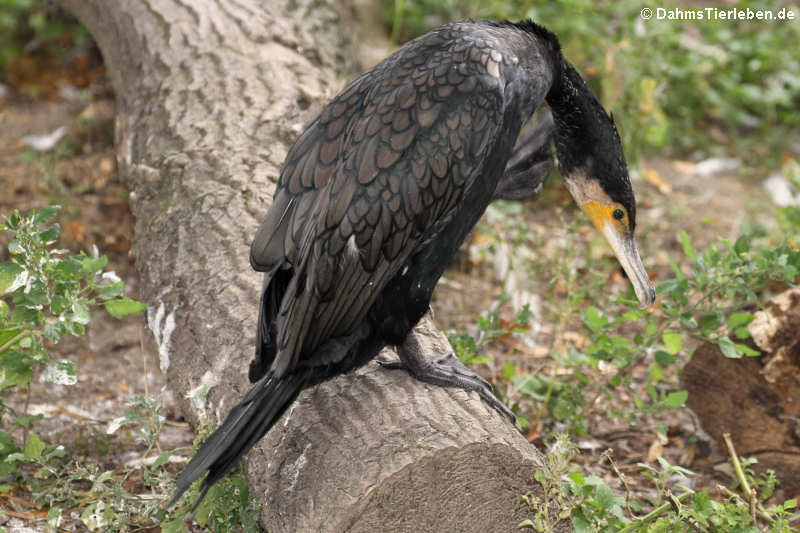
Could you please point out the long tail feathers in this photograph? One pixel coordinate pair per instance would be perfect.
(247, 422)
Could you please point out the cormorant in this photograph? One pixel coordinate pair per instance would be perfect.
(381, 189)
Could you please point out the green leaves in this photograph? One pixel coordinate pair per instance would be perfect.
(162, 459)
(44, 214)
(51, 295)
(42, 281)
(228, 506)
(11, 277)
(468, 347)
(564, 401)
(93, 265)
(524, 315)
(735, 350)
(49, 235)
(676, 399)
(110, 290)
(663, 358)
(33, 447)
(123, 307)
(61, 372)
(6, 336)
(742, 245)
(665, 87)
(594, 504)
(16, 370)
(673, 342)
(80, 312)
(594, 320)
(738, 323)
(7, 445)
(686, 244)
(706, 300)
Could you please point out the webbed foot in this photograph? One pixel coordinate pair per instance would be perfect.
(447, 371)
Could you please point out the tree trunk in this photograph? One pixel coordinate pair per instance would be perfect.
(211, 94)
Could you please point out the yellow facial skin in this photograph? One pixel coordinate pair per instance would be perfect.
(600, 215)
(619, 236)
(598, 205)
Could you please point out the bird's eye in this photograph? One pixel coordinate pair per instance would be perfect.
(619, 214)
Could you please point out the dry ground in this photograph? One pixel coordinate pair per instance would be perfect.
(112, 364)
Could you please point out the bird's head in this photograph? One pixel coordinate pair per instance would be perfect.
(593, 166)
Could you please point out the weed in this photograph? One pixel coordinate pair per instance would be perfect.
(710, 295)
(469, 348)
(227, 505)
(52, 294)
(679, 86)
(591, 505)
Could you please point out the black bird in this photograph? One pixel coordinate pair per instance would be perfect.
(381, 189)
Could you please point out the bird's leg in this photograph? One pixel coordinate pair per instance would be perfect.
(445, 371)
(530, 163)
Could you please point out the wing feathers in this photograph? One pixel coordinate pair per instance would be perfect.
(386, 161)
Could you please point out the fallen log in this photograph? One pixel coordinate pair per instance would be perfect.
(211, 95)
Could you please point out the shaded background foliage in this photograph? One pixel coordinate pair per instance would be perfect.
(681, 86)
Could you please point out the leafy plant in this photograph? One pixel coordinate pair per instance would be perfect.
(109, 500)
(469, 348)
(227, 505)
(558, 400)
(103, 498)
(592, 506)
(668, 83)
(709, 298)
(51, 295)
(708, 301)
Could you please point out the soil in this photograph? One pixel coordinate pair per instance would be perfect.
(673, 197)
(114, 366)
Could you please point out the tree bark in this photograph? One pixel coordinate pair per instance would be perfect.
(755, 399)
(211, 94)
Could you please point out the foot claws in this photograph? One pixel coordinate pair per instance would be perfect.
(448, 371)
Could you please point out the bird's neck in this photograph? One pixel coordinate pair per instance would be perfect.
(575, 113)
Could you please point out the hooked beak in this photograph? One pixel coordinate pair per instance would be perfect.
(624, 246)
